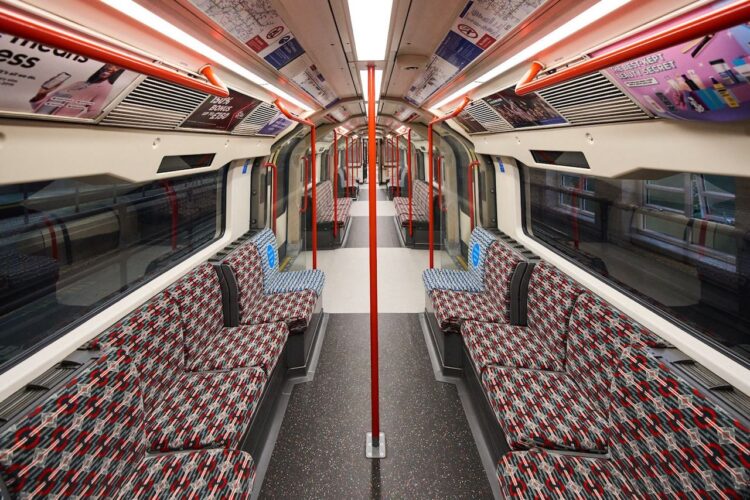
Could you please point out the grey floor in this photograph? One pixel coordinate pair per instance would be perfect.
(359, 233)
(320, 449)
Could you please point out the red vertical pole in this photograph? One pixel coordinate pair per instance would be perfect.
(430, 194)
(373, 263)
(346, 164)
(408, 186)
(470, 186)
(335, 184)
(440, 181)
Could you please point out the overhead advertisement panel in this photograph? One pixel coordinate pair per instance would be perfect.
(275, 126)
(523, 111)
(221, 113)
(257, 24)
(41, 80)
(707, 79)
(480, 24)
(471, 125)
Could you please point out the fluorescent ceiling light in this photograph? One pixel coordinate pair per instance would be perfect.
(579, 22)
(148, 18)
(371, 22)
(364, 81)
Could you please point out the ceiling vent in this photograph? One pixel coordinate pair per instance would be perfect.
(155, 104)
(488, 117)
(411, 62)
(592, 99)
(256, 120)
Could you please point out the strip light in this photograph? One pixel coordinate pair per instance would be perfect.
(148, 18)
(371, 22)
(590, 15)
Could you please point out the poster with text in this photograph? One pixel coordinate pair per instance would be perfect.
(275, 126)
(523, 111)
(35, 78)
(706, 79)
(221, 113)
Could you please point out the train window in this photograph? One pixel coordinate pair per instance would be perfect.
(678, 244)
(69, 247)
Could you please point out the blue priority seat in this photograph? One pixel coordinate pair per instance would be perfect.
(463, 281)
(275, 281)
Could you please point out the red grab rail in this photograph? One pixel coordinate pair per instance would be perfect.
(310, 124)
(408, 186)
(24, 25)
(470, 183)
(335, 182)
(737, 12)
(430, 176)
(273, 194)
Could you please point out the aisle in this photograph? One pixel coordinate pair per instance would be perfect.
(320, 448)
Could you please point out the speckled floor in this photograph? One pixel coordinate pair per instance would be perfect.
(359, 233)
(320, 449)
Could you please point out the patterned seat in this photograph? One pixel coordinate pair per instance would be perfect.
(275, 281)
(666, 440)
(420, 204)
(540, 345)
(452, 308)
(255, 307)
(463, 281)
(324, 192)
(199, 297)
(183, 409)
(87, 439)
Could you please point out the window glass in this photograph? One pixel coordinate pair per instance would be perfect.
(69, 247)
(677, 244)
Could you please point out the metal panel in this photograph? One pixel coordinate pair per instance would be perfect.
(155, 104)
(256, 120)
(488, 117)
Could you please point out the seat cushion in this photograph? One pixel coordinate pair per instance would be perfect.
(205, 410)
(241, 347)
(296, 281)
(539, 474)
(293, 308)
(507, 345)
(453, 308)
(451, 279)
(343, 208)
(544, 409)
(200, 474)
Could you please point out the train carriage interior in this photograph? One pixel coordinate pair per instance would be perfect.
(375, 249)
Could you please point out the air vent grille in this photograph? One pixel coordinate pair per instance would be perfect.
(256, 120)
(592, 99)
(488, 117)
(155, 104)
(18, 401)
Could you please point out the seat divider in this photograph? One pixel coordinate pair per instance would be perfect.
(232, 299)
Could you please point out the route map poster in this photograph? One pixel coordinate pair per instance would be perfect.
(42, 80)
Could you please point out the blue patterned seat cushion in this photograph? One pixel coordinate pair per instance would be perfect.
(463, 281)
(275, 281)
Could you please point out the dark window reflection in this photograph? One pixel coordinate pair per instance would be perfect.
(678, 242)
(70, 246)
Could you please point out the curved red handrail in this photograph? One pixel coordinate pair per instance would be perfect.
(277, 102)
(725, 17)
(430, 176)
(46, 32)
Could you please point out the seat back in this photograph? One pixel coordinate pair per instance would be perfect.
(245, 263)
(420, 200)
(552, 295)
(479, 245)
(84, 439)
(324, 193)
(265, 244)
(153, 333)
(668, 439)
(199, 297)
(500, 267)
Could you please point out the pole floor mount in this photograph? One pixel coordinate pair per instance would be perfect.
(375, 451)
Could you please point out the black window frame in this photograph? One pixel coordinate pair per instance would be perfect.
(687, 328)
(60, 333)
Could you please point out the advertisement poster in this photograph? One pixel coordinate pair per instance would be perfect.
(480, 24)
(256, 24)
(707, 79)
(221, 113)
(274, 127)
(471, 125)
(313, 82)
(523, 111)
(43, 80)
